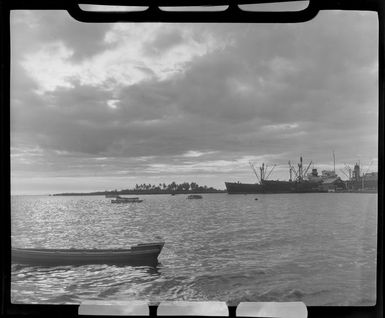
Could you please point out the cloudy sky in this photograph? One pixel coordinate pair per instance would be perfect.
(105, 106)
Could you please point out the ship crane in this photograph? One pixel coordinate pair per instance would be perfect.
(292, 169)
(255, 171)
(366, 171)
(264, 171)
(271, 170)
(300, 173)
(307, 168)
(346, 175)
(363, 176)
(349, 171)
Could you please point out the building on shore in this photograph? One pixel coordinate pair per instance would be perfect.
(362, 182)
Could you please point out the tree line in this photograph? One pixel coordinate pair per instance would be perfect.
(167, 188)
(159, 188)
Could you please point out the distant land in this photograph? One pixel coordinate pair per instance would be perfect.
(161, 188)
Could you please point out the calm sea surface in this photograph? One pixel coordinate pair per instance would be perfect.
(318, 248)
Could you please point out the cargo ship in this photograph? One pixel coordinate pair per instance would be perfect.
(276, 186)
(303, 182)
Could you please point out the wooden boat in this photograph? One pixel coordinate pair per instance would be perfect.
(126, 200)
(194, 196)
(140, 254)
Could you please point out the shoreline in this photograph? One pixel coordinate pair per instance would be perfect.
(133, 192)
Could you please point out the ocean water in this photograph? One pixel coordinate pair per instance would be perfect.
(319, 248)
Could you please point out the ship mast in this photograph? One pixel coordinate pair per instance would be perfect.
(262, 169)
(300, 173)
(292, 169)
(264, 172)
(300, 169)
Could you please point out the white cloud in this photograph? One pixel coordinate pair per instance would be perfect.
(50, 67)
(129, 60)
(112, 103)
(195, 154)
(280, 127)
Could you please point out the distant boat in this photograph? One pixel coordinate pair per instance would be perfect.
(126, 200)
(112, 195)
(194, 196)
(140, 254)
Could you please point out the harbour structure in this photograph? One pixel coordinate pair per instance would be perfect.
(358, 180)
(300, 181)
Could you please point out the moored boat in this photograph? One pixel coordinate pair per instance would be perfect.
(112, 195)
(137, 255)
(194, 196)
(126, 200)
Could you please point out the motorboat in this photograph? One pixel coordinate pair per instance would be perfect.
(140, 254)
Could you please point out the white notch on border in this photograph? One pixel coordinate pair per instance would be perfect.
(287, 6)
(193, 308)
(272, 309)
(113, 308)
(109, 8)
(195, 9)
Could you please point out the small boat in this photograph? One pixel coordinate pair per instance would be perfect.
(194, 196)
(139, 255)
(112, 195)
(126, 200)
(256, 199)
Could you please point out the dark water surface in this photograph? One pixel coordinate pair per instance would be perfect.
(318, 248)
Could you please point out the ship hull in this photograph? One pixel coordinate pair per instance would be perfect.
(272, 187)
(242, 188)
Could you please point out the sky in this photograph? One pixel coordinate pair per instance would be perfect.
(106, 106)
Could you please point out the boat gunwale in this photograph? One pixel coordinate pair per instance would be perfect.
(135, 249)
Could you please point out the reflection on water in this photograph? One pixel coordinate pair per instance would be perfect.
(317, 248)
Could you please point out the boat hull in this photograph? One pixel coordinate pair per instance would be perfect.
(126, 201)
(194, 197)
(138, 255)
